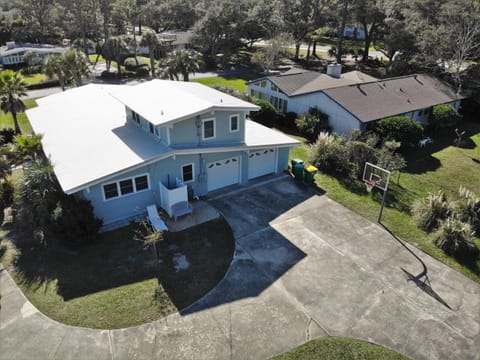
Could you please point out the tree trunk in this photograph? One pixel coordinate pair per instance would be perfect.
(61, 80)
(314, 48)
(297, 50)
(135, 46)
(368, 41)
(308, 51)
(185, 76)
(15, 123)
(343, 22)
(152, 62)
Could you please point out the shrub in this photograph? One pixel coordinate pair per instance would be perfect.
(6, 136)
(399, 128)
(6, 193)
(74, 220)
(266, 115)
(108, 75)
(231, 91)
(312, 123)
(318, 152)
(142, 71)
(359, 154)
(290, 118)
(467, 208)
(456, 238)
(131, 65)
(443, 116)
(428, 212)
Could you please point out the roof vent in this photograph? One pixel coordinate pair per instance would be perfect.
(221, 100)
(161, 112)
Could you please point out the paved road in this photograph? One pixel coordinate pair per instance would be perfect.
(304, 267)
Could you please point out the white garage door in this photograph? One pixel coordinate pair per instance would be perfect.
(223, 173)
(261, 162)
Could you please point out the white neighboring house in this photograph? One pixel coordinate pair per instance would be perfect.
(354, 100)
(12, 53)
(176, 39)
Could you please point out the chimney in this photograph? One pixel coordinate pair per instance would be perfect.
(334, 70)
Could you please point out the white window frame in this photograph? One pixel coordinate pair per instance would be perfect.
(193, 173)
(214, 129)
(238, 123)
(117, 182)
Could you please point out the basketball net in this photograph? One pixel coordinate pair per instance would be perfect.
(370, 184)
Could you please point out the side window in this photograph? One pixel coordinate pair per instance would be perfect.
(187, 173)
(136, 117)
(151, 128)
(208, 129)
(125, 187)
(234, 125)
(110, 191)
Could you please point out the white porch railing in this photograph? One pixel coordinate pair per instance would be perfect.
(170, 197)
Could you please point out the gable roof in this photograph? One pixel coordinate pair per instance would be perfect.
(88, 140)
(298, 81)
(389, 97)
(164, 101)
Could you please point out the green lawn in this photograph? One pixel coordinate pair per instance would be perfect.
(6, 120)
(336, 348)
(93, 57)
(115, 283)
(235, 83)
(441, 166)
(32, 79)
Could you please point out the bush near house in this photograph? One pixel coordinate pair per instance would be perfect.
(399, 128)
(267, 113)
(41, 208)
(456, 239)
(444, 116)
(428, 213)
(312, 123)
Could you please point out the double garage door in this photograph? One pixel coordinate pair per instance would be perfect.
(226, 172)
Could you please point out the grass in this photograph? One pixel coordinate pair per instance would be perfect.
(6, 120)
(234, 83)
(32, 79)
(336, 348)
(115, 282)
(93, 57)
(441, 166)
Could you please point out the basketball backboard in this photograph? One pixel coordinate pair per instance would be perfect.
(376, 176)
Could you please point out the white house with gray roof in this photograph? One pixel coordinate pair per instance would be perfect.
(354, 100)
(126, 147)
(12, 53)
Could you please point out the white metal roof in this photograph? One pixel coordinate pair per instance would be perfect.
(86, 136)
(164, 101)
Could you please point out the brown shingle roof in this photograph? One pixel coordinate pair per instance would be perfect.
(389, 97)
(297, 81)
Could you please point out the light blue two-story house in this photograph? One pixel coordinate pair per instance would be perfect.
(126, 147)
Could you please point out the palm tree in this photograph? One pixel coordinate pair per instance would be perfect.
(150, 39)
(54, 67)
(12, 88)
(28, 147)
(183, 62)
(115, 49)
(76, 65)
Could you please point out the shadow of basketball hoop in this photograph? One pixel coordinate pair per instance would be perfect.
(422, 281)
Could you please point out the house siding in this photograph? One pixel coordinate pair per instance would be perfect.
(282, 162)
(185, 133)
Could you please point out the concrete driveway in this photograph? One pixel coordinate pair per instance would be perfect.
(304, 267)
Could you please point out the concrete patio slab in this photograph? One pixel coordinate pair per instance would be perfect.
(304, 267)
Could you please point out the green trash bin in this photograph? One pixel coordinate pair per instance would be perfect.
(298, 171)
(295, 162)
(309, 174)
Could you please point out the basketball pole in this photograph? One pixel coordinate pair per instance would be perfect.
(381, 207)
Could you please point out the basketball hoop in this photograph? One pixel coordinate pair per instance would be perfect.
(370, 184)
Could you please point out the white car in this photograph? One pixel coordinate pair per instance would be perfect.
(425, 141)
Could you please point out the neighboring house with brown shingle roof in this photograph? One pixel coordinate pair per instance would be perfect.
(354, 100)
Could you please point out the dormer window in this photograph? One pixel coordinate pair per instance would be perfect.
(208, 131)
(234, 123)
